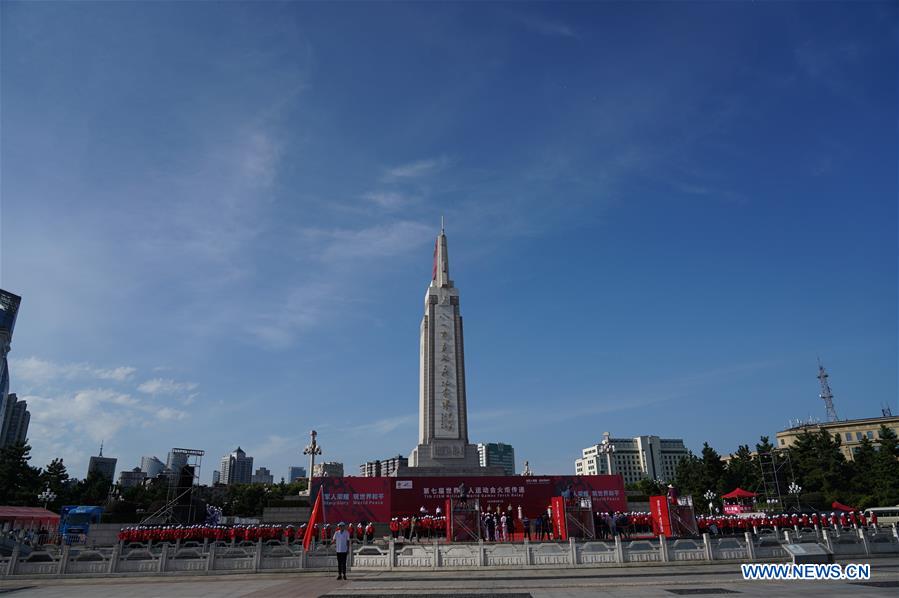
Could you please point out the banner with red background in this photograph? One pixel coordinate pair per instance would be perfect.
(355, 499)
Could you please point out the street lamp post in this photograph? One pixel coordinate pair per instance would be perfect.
(795, 489)
(608, 449)
(312, 450)
(710, 496)
(47, 496)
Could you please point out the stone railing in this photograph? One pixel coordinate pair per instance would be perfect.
(194, 558)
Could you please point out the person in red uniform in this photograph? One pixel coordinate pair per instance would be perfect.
(369, 532)
(394, 528)
(406, 525)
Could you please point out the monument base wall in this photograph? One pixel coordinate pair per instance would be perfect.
(447, 471)
(443, 453)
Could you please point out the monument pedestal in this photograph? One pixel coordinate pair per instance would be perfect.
(447, 458)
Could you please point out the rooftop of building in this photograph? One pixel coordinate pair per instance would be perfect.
(883, 419)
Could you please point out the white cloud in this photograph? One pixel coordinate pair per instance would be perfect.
(97, 414)
(389, 200)
(417, 169)
(165, 386)
(387, 424)
(374, 242)
(167, 413)
(41, 373)
(273, 446)
(546, 27)
(119, 374)
(72, 424)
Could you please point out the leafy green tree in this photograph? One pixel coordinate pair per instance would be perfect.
(712, 470)
(650, 487)
(886, 468)
(93, 490)
(764, 445)
(56, 478)
(862, 466)
(743, 470)
(689, 475)
(20, 483)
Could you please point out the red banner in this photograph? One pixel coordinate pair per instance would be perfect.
(661, 520)
(560, 526)
(353, 499)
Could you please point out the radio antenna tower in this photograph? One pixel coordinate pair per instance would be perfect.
(826, 395)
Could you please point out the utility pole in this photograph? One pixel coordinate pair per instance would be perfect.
(826, 395)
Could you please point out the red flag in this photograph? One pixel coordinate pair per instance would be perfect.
(313, 519)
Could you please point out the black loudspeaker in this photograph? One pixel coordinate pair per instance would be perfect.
(185, 481)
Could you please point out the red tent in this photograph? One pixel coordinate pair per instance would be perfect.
(739, 493)
(841, 507)
(28, 517)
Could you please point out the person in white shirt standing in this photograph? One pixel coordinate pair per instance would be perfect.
(341, 541)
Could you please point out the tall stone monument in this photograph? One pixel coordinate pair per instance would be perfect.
(443, 446)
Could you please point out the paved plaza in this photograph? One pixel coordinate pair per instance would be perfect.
(718, 579)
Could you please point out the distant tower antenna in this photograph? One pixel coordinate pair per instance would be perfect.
(101, 448)
(826, 395)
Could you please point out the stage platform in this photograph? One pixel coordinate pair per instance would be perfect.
(355, 499)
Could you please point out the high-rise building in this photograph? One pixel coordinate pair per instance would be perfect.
(175, 461)
(497, 453)
(332, 469)
(383, 467)
(15, 419)
(295, 473)
(370, 469)
(390, 465)
(105, 466)
(262, 476)
(151, 466)
(9, 309)
(135, 477)
(633, 458)
(216, 477)
(236, 468)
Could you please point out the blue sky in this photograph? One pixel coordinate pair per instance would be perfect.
(220, 217)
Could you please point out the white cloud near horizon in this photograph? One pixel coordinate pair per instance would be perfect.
(73, 408)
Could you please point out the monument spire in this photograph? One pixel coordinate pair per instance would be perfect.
(443, 444)
(440, 276)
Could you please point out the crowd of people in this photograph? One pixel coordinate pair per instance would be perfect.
(733, 524)
(496, 526)
(239, 533)
(418, 527)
